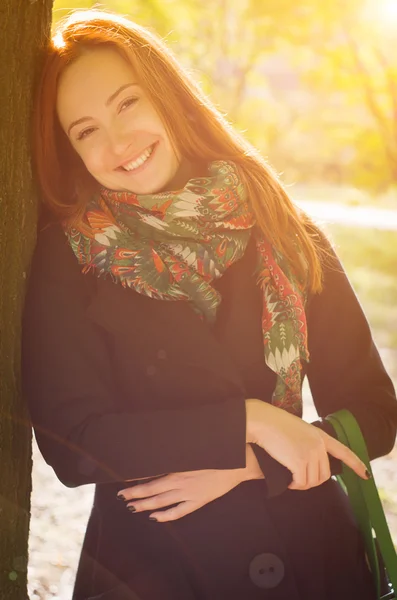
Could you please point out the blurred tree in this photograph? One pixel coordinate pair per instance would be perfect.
(353, 60)
(25, 23)
(226, 41)
(221, 42)
(153, 13)
(376, 75)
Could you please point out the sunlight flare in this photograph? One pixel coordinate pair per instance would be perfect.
(383, 11)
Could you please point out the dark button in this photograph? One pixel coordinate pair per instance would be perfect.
(266, 570)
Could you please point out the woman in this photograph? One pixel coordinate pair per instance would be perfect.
(178, 392)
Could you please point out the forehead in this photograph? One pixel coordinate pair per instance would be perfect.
(91, 79)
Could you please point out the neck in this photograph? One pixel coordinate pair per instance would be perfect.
(187, 170)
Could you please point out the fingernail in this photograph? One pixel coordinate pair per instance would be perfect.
(131, 508)
(121, 497)
(368, 474)
(153, 519)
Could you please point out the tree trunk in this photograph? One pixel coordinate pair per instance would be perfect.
(24, 27)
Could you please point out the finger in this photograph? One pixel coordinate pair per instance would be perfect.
(339, 450)
(172, 514)
(143, 478)
(144, 490)
(298, 479)
(325, 470)
(154, 502)
(313, 474)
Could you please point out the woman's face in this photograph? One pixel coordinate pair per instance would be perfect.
(113, 126)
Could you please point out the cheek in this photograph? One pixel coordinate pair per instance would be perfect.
(93, 158)
(172, 152)
(155, 124)
(175, 157)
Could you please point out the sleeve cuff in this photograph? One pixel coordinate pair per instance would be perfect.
(277, 477)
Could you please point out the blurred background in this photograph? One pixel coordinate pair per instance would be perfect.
(313, 85)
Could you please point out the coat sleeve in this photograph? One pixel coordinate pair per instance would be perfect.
(68, 385)
(345, 371)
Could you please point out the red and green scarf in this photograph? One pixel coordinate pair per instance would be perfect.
(173, 245)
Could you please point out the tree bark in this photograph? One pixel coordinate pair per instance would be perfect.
(24, 28)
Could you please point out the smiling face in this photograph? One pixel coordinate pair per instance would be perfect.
(114, 127)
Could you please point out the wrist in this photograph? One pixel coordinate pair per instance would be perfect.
(252, 469)
(255, 419)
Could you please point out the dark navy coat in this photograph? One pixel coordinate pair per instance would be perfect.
(121, 386)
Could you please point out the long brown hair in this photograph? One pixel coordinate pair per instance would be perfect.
(66, 183)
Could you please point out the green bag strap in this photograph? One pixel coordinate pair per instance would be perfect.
(365, 501)
(350, 482)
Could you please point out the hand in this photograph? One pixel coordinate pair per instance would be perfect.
(191, 489)
(299, 446)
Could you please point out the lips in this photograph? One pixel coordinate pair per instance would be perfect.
(127, 162)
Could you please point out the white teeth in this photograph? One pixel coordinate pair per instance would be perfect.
(139, 161)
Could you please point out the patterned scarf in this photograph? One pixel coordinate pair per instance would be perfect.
(172, 245)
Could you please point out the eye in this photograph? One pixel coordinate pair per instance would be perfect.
(83, 134)
(128, 102)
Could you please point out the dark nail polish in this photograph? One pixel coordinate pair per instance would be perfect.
(131, 508)
(121, 497)
(153, 519)
(368, 474)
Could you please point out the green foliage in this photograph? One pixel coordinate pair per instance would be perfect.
(369, 168)
(151, 13)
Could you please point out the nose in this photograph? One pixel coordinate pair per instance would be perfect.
(118, 141)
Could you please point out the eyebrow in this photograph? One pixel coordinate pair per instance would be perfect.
(107, 103)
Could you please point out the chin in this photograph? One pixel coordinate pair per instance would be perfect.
(144, 190)
(153, 185)
(154, 188)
